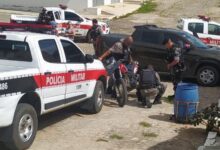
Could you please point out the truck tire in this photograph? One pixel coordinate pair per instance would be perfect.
(95, 103)
(22, 132)
(207, 76)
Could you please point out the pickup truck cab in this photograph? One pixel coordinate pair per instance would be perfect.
(39, 74)
(207, 30)
(61, 16)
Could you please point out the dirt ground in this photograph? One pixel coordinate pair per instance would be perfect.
(117, 128)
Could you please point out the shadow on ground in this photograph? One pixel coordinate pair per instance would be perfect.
(163, 117)
(187, 139)
(58, 116)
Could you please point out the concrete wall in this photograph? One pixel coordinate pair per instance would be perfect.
(105, 2)
(36, 5)
(32, 5)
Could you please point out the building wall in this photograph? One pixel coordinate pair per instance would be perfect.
(36, 5)
(105, 2)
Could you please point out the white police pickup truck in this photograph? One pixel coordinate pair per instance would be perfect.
(208, 31)
(61, 16)
(39, 74)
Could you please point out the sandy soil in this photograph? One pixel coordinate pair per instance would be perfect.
(168, 13)
(117, 128)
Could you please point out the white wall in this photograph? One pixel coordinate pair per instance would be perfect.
(36, 5)
(79, 5)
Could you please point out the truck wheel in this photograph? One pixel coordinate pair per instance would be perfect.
(95, 103)
(22, 132)
(207, 76)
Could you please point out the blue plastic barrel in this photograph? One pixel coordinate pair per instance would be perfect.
(186, 101)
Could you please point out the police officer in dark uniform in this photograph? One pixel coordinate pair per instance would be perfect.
(175, 61)
(44, 18)
(96, 32)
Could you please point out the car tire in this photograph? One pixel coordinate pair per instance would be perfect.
(207, 76)
(21, 134)
(95, 103)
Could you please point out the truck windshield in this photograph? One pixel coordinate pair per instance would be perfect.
(195, 41)
(14, 50)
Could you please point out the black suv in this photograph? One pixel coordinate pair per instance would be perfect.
(202, 61)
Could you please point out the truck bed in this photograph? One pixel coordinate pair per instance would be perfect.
(24, 18)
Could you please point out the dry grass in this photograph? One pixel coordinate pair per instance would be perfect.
(145, 124)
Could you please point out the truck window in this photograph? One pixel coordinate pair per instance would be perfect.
(50, 14)
(72, 53)
(214, 29)
(57, 15)
(71, 16)
(15, 50)
(196, 27)
(49, 51)
(151, 37)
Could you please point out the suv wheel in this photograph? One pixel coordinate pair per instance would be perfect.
(22, 132)
(207, 76)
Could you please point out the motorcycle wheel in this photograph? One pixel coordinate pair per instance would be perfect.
(121, 92)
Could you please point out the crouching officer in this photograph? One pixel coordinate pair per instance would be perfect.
(150, 86)
(175, 62)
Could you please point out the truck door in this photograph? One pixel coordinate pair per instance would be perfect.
(80, 29)
(53, 74)
(77, 85)
(213, 34)
(199, 28)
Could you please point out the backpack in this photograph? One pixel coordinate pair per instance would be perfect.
(148, 79)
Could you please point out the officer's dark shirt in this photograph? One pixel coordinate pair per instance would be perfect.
(175, 53)
(43, 18)
(96, 31)
(119, 51)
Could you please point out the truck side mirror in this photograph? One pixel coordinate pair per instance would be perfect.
(89, 58)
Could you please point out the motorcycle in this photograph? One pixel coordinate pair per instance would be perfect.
(116, 82)
(130, 75)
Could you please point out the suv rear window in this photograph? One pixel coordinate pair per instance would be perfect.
(151, 37)
(15, 50)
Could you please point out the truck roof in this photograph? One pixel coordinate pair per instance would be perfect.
(155, 28)
(20, 36)
(57, 9)
(198, 20)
